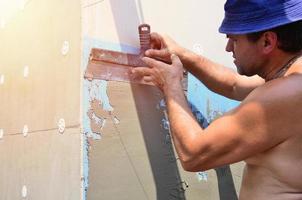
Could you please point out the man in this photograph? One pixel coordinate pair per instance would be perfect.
(265, 130)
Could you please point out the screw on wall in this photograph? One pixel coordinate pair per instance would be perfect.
(25, 71)
(1, 79)
(1, 133)
(61, 126)
(65, 48)
(184, 183)
(24, 191)
(25, 130)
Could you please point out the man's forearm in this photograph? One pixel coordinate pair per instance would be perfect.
(216, 77)
(184, 127)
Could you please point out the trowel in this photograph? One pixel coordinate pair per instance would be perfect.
(115, 66)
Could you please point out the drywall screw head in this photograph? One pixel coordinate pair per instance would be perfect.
(1, 79)
(26, 71)
(24, 191)
(65, 48)
(1, 133)
(25, 130)
(61, 125)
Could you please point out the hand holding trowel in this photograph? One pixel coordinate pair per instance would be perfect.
(115, 66)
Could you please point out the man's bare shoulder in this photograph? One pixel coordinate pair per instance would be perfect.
(281, 103)
(289, 86)
(273, 111)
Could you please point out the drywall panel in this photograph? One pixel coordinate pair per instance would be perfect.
(40, 93)
(46, 163)
(40, 60)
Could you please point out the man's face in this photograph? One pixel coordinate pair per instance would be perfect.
(245, 54)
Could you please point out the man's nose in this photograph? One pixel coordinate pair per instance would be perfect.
(229, 46)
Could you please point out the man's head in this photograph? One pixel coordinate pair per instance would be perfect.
(257, 27)
(289, 36)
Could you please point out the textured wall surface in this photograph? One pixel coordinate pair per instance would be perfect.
(40, 70)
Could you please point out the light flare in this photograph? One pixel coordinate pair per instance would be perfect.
(9, 9)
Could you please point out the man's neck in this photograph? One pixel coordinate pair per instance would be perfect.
(278, 65)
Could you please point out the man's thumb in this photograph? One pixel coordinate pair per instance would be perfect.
(175, 59)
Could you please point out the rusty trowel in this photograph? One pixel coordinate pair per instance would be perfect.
(115, 66)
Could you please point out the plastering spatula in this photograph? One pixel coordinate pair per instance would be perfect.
(115, 66)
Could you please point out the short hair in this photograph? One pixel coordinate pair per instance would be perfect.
(289, 36)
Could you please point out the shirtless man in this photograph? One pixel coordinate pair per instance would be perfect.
(265, 130)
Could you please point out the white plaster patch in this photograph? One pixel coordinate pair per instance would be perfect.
(65, 48)
(166, 124)
(1, 133)
(94, 136)
(25, 130)
(1, 79)
(116, 120)
(100, 121)
(197, 48)
(97, 119)
(202, 176)
(24, 191)
(162, 103)
(26, 71)
(61, 125)
(98, 90)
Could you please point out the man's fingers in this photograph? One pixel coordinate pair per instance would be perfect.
(176, 60)
(140, 72)
(150, 62)
(148, 79)
(154, 53)
(156, 41)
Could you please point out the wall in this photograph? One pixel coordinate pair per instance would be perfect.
(40, 91)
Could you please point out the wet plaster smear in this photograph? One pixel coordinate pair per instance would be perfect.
(127, 144)
(128, 152)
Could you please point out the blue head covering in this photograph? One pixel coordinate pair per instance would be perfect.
(248, 16)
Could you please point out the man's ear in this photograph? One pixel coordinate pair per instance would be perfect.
(269, 42)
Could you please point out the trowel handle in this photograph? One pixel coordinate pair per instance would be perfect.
(144, 36)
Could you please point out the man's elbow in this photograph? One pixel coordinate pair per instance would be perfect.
(192, 164)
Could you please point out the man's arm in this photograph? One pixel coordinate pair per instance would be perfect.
(253, 127)
(216, 77)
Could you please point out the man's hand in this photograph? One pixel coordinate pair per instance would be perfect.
(163, 75)
(162, 47)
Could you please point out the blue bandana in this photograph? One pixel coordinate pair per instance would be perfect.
(248, 16)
